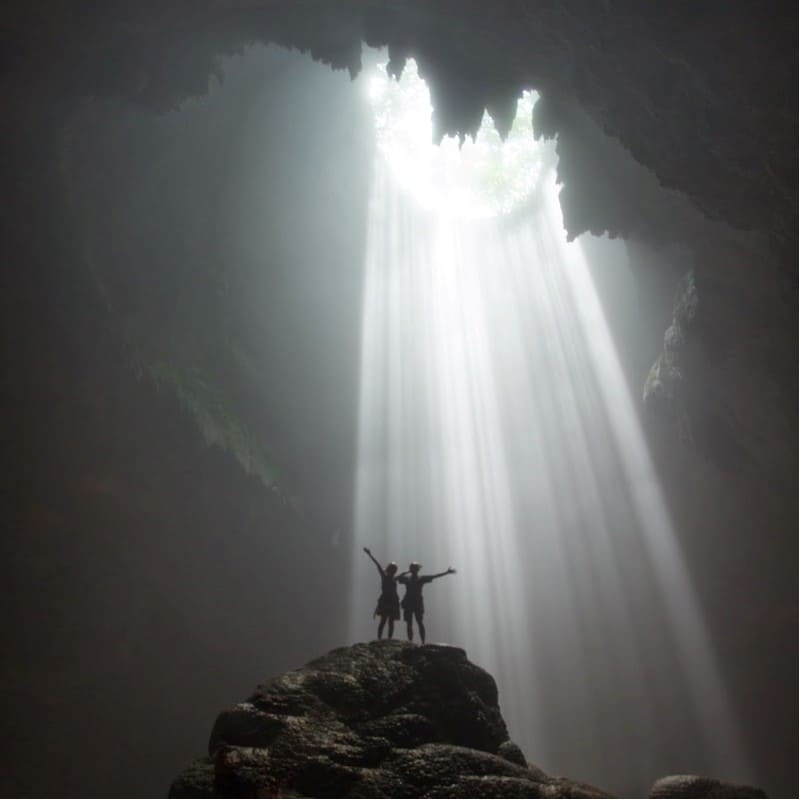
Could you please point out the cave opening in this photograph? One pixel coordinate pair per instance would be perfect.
(480, 176)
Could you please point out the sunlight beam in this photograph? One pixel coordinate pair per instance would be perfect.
(497, 433)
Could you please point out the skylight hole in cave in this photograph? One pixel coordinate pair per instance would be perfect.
(479, 177)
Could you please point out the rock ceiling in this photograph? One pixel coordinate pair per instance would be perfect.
(704, 95)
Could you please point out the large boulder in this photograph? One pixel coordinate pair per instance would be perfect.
(371, 721)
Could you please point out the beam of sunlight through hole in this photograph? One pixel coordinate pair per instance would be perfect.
(686, 621)
(497, 433)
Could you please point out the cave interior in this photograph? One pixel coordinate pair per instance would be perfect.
(185, 230)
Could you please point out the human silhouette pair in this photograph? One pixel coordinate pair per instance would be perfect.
(388, 603)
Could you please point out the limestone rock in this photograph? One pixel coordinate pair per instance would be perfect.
(384, 719)
(685, 786)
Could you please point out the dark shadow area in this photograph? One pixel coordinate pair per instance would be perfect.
(180, 355)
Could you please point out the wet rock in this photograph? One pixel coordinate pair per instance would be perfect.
(686, 786)
(246, 726)
(384, 719)
(196, 782)
(512, 753)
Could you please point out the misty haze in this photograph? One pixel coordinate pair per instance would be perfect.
(283, 313)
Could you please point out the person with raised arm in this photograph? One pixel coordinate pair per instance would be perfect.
(388, 607)
(413, 602)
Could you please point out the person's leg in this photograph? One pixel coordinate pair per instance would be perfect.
(380, 627)
(419, 621)
(409, 622)
(390, 626)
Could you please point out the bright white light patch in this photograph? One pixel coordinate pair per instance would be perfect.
(484, 177)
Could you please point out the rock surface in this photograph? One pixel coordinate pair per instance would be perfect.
(384, 719)
(691, 787)
(701, 94)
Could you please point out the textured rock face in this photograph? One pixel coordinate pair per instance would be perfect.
(691, 787)
(719, 377)
(663, 388)
(385, 719)
(702, 94)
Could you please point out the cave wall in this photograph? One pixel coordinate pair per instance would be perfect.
(149, 576)
(214, 233)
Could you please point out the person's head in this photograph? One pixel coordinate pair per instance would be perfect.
(414, 567)
(391, 568)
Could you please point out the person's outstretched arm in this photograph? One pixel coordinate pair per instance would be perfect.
(374, 560)
(450, 570)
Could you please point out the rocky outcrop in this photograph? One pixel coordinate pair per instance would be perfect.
(683, 384)
(384, 719)
(663, 388)
(719, 378)
(692, 787)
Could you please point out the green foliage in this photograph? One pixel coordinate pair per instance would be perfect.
(482, 176)
(211, 411)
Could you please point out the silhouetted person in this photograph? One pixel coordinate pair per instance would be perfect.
(413, 602)
(388, 605)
